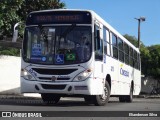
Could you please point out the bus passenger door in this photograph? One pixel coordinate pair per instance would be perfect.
(98, 66)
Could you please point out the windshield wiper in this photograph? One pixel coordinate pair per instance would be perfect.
(68, 30)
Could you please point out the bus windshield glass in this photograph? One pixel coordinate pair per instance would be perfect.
(57, 44)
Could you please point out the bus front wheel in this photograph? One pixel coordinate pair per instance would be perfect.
(49, 98)
(100, 100)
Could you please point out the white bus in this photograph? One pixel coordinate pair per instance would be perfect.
(76, 53)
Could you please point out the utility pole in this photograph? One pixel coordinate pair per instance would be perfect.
(141, 19)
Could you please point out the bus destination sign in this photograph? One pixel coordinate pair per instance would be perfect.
(59, 18)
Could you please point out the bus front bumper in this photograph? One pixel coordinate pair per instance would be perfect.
(87, 87)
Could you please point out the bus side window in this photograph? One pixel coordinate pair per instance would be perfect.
(126, 50)
(136, 59)
(131, 57)
(139, 62)
(98, 45)
(114, 46)
(121, 50)
(106, 41)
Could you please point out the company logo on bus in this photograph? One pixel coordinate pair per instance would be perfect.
(124, 72)
(54, 78)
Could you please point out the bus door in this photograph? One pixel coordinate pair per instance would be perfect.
(98, 50)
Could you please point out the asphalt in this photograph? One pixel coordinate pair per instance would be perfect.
(20, 96)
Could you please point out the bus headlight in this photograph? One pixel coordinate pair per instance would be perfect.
(83, 75)
(26, 75)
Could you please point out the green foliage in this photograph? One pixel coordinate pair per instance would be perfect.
(150, 58)
(132, 39)
(154, 61)
(35, 5)
(145, 59)
(13, 11)
(8, 16)
(9, 51)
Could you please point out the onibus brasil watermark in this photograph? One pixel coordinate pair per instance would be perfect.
(21, 114)
(149, 114)
(29, 114)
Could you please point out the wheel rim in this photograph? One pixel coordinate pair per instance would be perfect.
(105, 94)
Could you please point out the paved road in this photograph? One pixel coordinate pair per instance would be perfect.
(78, 104)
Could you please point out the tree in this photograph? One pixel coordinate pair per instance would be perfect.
(35, 5)
(150, 57)
(13, 11)
(145, 59)
(132, 39)
(8, 16)
(154, 63)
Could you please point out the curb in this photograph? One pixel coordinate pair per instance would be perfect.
(19, 96)
(148, 96)
(153, 97)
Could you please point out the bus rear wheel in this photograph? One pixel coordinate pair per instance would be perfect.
(49, 98)
(127, 98)
(100, 100)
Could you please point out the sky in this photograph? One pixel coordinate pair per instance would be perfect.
(121, 14)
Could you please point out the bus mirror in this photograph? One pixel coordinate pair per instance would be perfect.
(15, 33)
(15, 36)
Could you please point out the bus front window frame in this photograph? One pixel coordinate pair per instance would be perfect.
(71, 36)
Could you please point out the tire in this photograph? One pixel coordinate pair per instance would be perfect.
(101, 100)
(50, 98)
(127, 98)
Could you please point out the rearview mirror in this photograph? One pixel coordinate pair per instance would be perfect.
(15, 36)
(15, 32)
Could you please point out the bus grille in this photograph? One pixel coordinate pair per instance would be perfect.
(53, 87)
(54, 71)
(49, 78)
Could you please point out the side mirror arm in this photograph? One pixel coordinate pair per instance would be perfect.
(15, 32)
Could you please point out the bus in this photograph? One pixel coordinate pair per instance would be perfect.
(76, 53)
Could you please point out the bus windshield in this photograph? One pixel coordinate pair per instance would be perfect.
(57, 44)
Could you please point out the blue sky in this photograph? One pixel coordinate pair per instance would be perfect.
(120, 14)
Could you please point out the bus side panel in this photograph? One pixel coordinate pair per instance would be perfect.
(124, 78)
(98, 75)
(115, 86)
(137, 82)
